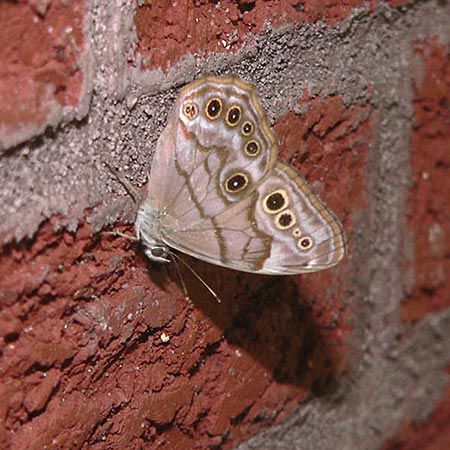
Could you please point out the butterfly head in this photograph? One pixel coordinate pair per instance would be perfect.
(158, 253)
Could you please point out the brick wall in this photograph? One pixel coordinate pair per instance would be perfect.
(99, 349)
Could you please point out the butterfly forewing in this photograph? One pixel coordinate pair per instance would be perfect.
(218, 149)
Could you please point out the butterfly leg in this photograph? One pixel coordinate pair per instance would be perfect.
(177, 268)
(124, 182)
(199, 278)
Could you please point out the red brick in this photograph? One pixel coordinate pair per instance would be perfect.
(89, 315)
(167, 31)
(329, 145)
(429, 215)
(40, 46)
(37, 397)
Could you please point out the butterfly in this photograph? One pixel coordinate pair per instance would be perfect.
(217, 191)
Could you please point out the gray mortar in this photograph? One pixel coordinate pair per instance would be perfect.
(62, 173)
(397, 385)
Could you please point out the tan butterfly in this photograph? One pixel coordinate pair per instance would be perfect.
(216, 190)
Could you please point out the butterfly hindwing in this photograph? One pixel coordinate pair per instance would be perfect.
(281, 228)
(306, 236)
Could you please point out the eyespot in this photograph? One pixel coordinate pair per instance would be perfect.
(236, 182)
(297, 232)
(190, 110)
(285, 219)
(247, 128)
(213, 108)
(275, 201)
(233, 115)
(252, 148)
(305, 243)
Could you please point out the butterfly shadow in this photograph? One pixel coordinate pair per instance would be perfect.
(267, 317)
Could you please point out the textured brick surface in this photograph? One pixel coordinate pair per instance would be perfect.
(100, 349)
(76, 319)
(428, 241)
(41, 43)
(168, 31)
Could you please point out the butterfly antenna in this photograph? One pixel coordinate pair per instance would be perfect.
(120, 234)
(199, 278)
(172, 255)
(124, 182)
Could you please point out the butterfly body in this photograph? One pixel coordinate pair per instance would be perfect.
(147, 226)
(217, 192)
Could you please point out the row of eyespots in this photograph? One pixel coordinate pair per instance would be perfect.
(233, 116)
(277, 202)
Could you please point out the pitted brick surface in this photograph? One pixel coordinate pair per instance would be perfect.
(41, 76)
(427, 244)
